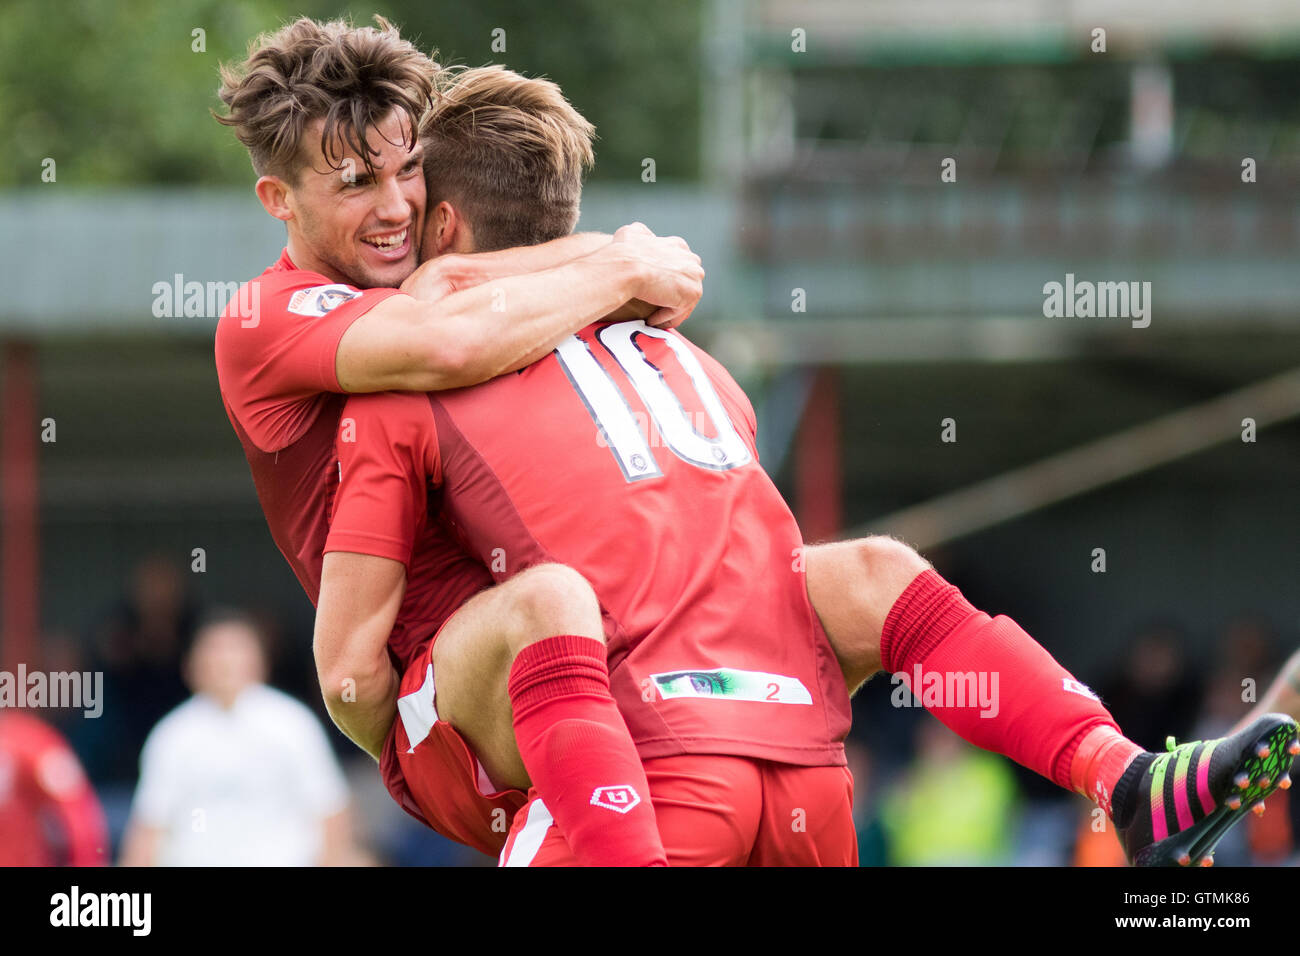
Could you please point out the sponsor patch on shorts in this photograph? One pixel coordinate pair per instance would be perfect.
(727, 683)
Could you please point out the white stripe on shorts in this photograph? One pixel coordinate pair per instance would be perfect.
(530, 837)
(418, 712)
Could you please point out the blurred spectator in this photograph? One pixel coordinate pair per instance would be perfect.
(138, 648)
(872, 850)
(49, 814)
(241, 773)
(1155, 693)
(1248, 652)
(955, 806)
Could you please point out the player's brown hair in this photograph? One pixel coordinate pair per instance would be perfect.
(352, 77)
(509, 152)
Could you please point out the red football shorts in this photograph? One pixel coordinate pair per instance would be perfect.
(432, 773)
(721, 811)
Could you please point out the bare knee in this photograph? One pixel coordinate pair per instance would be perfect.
(885, 566)
(548, 600)
(852, 586)
(868, 573)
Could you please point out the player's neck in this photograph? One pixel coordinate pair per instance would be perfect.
(301, 255)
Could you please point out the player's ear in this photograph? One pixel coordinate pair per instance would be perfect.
(450, 230)
(273, 192)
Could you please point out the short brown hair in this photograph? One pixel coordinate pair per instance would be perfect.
(510, 152)
(352, 77)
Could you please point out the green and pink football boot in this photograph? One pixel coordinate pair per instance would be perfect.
(1181, 803)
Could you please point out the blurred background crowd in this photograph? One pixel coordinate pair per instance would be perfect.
(923, 796)
(1125, 493)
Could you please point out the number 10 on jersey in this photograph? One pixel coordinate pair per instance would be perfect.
(618, 424)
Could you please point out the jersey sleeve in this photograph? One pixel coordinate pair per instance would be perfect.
(276, 345)
(387, 448)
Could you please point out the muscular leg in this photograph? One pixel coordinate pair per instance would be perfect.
(883, 606)
(474, 651)
(520, 672)
(853, 585)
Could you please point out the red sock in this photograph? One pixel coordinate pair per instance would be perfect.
(579, 754)
(1035, 712)
(1100, 758)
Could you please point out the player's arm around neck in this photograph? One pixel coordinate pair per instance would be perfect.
(444, 275)
(504, 324)
(359, 599)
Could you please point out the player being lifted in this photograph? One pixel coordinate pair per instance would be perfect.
(726, 681)
(282, 370)
(487, 451)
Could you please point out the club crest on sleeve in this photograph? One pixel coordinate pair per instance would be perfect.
(320, 299)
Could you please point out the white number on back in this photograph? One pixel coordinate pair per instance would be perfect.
(616, 421)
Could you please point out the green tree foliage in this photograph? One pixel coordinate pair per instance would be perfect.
(116, 94)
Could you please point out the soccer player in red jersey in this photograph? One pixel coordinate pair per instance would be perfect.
(42, 785)
(717, 661)
(329, 113)
(689, 642)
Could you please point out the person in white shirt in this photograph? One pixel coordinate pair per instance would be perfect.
(240, 774)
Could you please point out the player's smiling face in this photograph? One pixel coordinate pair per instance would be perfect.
(354, 227)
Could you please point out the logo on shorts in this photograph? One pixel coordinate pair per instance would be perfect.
(321, 299)
(621, 799)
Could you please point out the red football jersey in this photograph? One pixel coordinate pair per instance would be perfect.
(629, 455)
(276, 344)
(41, 783)
(275, 348)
